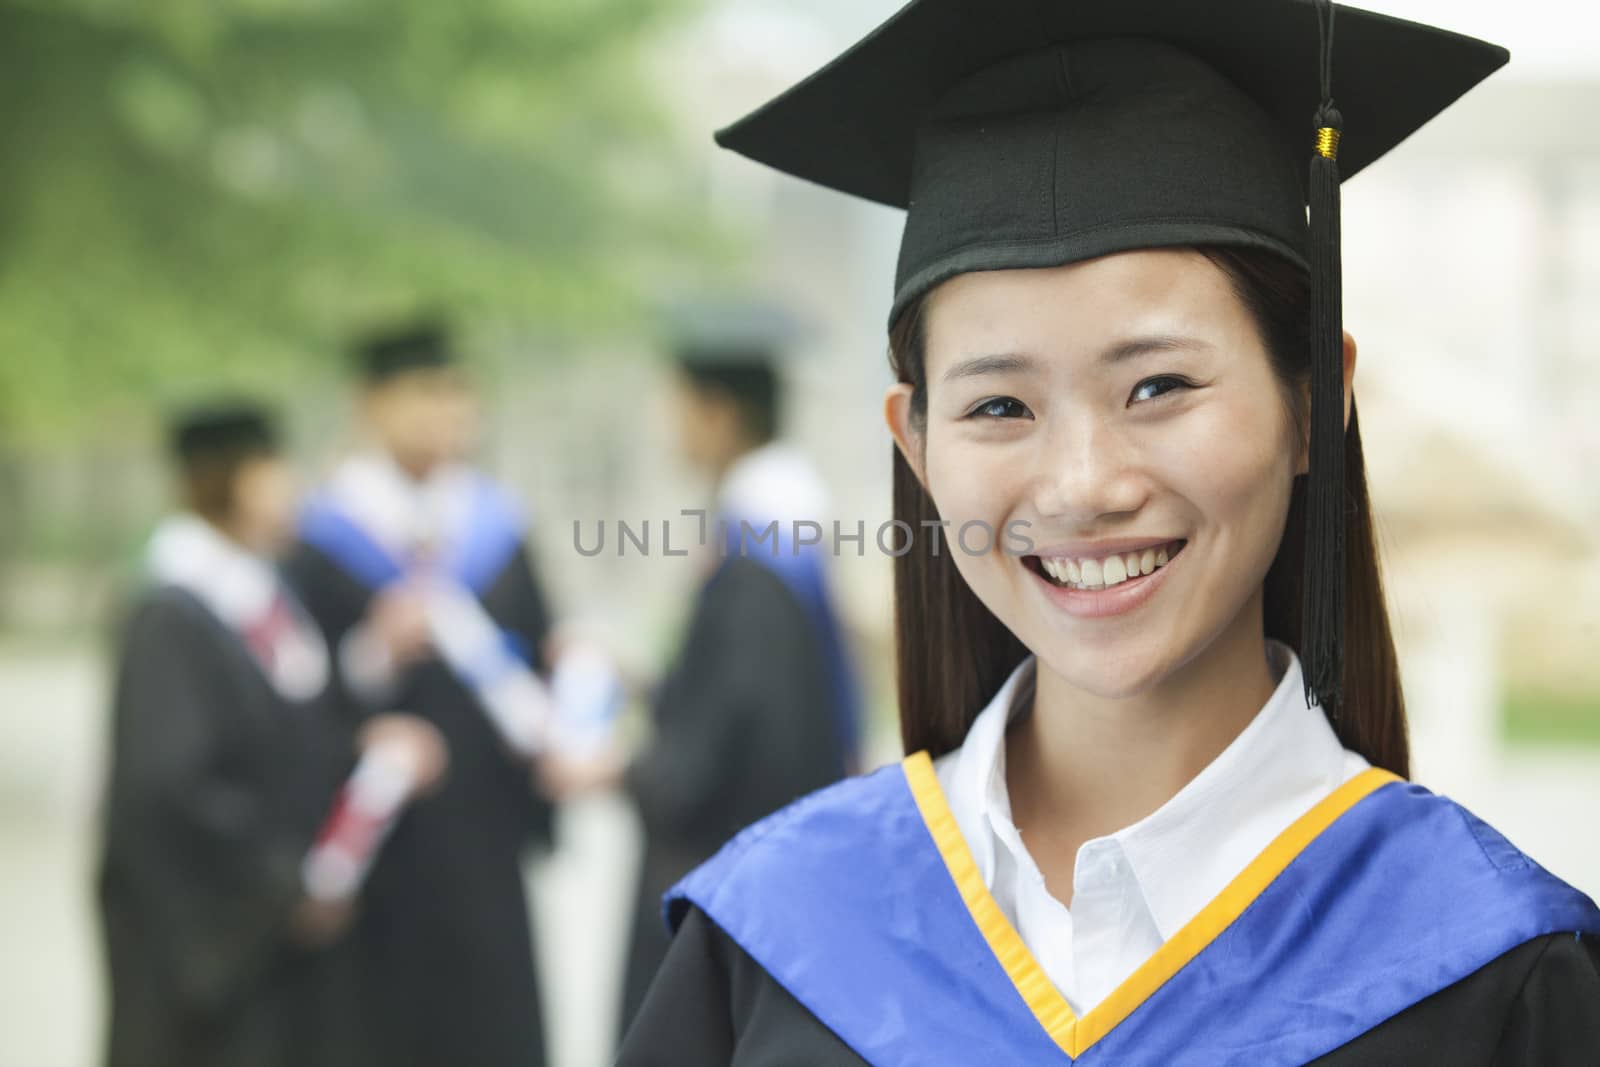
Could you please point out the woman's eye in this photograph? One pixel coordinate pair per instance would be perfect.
(1001, 407)
(1151, 388)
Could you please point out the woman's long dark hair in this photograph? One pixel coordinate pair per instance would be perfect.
(953, 654)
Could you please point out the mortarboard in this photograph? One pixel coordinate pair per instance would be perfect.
(730, 330)
(227, 428)
(1037, 133)
(396, 349)
(736, 345)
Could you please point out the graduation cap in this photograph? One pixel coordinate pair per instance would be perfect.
(222, 430)
(1037, 133)
(396, 349)
(731, 330)
(735, 345)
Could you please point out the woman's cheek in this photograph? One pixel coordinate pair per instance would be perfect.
(969, 483)
(1234, 468)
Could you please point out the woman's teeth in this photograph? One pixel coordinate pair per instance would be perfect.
(1106, 571)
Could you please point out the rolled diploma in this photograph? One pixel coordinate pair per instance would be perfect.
(364, 812)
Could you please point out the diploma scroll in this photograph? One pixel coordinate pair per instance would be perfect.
(588, 698)
(364, 812)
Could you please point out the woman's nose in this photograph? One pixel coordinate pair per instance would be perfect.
(1087, 470)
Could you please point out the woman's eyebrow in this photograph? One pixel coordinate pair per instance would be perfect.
(1004, 363)
(1134, 347)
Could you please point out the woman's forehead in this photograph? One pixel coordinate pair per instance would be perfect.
(1081, 308)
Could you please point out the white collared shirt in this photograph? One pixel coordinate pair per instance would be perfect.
(406, 516)
(402, 513)
(1134, 889)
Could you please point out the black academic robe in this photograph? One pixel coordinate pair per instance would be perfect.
(445, 937)
(1537, 1005)
(1387, 925)
(743, 727)
(217, 788)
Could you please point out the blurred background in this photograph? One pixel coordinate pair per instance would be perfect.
(208, 194)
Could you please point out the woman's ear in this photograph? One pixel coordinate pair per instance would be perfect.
(1349, 376)
(897, 413)
(1303, 462)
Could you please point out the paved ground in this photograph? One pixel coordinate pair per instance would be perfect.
(50, 743)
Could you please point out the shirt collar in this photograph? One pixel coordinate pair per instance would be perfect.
(242, 590)
(773, 481)
(237, 585)
(976, 770)
(1185, 852)
(399, 511)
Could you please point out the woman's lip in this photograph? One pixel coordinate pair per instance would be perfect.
(1102, 603)
(1101, 549)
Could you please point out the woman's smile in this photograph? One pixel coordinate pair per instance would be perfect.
(1094, 585)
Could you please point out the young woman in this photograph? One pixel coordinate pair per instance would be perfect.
(1156, 810)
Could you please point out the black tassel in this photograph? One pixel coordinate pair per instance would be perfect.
(1322, 620)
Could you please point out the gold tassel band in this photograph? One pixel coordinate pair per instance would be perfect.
(1328, 142)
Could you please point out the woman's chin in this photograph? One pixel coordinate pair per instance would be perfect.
(1105, 678)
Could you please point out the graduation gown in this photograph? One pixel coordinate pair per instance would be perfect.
(1386, 926)
(742, 728)
(446, 940)
(218, 785)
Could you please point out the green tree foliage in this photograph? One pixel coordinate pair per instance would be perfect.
(216, 191)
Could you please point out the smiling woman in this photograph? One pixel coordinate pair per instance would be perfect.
(1155, 807)
(1206, 357)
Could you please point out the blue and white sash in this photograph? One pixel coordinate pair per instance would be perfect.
(358, 523)
(863, 901)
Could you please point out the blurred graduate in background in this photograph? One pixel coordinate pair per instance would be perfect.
(418, 569)
(761, 705)
(224, 947)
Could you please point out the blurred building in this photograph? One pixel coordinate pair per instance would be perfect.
(1471, 270)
